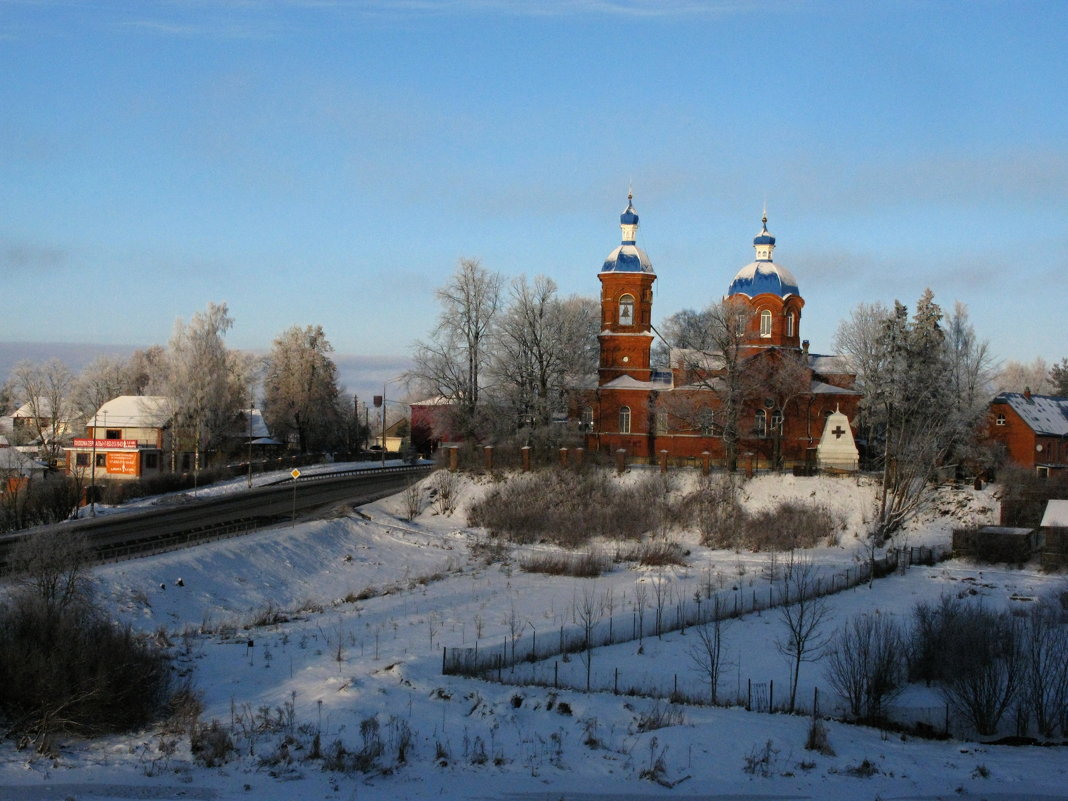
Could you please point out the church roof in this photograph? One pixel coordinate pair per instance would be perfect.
(627, 259)
(1044, 414)
(763, 276)
(760, 277)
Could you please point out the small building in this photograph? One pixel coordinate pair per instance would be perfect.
(1031, 429)
(1054, 532)
(997, 544)
(124, 440)
(17, 470)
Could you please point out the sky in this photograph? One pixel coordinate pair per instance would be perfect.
(311, 162)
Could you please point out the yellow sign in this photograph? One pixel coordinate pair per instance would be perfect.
(295, 473)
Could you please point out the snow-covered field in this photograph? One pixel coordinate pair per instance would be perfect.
(353, 612)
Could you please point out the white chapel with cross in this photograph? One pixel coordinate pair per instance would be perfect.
(837, 450)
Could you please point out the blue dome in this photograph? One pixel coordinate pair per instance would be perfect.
(629, 215)
(763, 277)
(627, 259)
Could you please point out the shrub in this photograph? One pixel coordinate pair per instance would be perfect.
(73, 670)
(790, 525)
(579, 565)
(658, 553)
(210, 744)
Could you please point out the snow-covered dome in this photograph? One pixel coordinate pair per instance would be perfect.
(628, 257)
(763, 275)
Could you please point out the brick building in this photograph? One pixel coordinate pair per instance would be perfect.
(1031, 429)
(790, 392)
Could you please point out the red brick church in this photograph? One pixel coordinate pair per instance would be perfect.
(785, 395)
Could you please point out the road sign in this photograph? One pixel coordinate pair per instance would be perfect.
(295, 473)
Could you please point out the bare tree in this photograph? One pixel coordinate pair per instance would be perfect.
(52, 567)
(47, 390)
(454, 361)
(706, 654)
(587, 617)
(866, 664)
(778, 375)
(104, 378)
(1045, 646)
(707, 346)
(300, 388)
(804, 615)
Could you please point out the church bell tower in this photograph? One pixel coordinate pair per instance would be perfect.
(626, 306)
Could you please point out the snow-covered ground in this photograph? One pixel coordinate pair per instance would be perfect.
(322, 627)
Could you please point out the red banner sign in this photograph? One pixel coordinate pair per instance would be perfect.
(105, 443)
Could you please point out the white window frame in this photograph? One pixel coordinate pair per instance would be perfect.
(624, 419)
(765, 324)
(626, 302)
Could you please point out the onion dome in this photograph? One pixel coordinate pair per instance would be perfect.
(628, 257)
(763, 276)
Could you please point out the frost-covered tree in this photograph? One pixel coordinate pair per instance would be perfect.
(301, 395)
(543, 348)
(1019, 376)
(912, 375)
(453, 362)
(205, 383)
(1058, 377)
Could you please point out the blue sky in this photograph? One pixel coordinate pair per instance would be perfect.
(317, 162)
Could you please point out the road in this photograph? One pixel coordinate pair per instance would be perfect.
(138, 533)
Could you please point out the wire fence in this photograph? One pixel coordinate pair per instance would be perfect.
(660, 614)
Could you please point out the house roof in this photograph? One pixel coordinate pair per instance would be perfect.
(135, 411)
(1056, 515)
(12, 459)
(1043, 414)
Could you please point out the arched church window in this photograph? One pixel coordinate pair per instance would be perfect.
(765, 323)
(661, 421)
(789, 324)
(760, 423)
(626, 310)
(776, 422)
(624, 419)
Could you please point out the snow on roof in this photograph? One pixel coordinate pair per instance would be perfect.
(26, 409)
(824, 363)
(1044, 414)
(144, 411)
(12, 459)
(823, 388)
(629, 382)
(760, 277)
(1056, 515)
(627, 259)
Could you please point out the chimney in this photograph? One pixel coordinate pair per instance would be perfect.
(804, 346)
(1027, 393)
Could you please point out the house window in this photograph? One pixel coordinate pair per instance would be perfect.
(1000, 420)
(707, 421)
(101, 460)
(624, 419)
(790, 324)
(81, 460)
(114, 433)
(151, 461)
(626, 310)
(760, 423)
(765, 323)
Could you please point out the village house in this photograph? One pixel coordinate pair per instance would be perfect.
(1030, 430)
(125, 439)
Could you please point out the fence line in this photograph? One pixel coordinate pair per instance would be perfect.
(661, 617)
